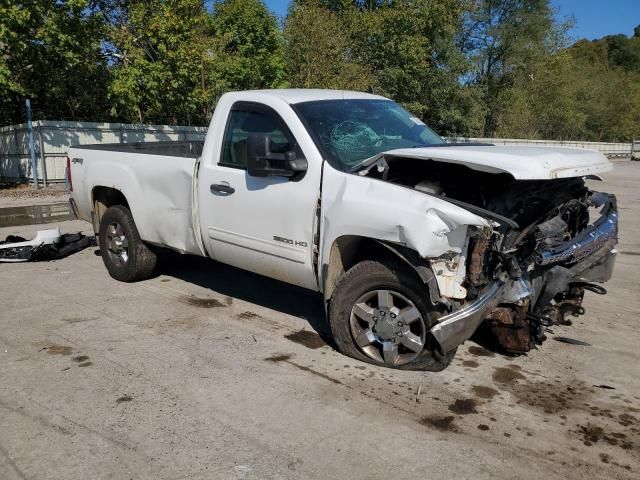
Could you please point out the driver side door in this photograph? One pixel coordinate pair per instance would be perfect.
(261, 224)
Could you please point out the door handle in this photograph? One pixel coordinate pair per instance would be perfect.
(222, 188)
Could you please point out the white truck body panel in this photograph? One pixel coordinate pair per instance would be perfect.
(157, 188)
(523, 163)
(247, 229)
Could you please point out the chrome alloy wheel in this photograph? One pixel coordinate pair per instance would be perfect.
(117, 244)
(388, 327)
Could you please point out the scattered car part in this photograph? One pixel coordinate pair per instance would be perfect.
(47, 245)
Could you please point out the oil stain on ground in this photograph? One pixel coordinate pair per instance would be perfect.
(443, 424)
(483, 391)
(506, 375)
(464, 406)
(278, 358)
(470, 363)
(592, 434)
(59, 350)
(480, 351)
(205, 302)
(306, 338)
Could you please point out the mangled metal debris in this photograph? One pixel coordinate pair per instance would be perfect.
(46, 245)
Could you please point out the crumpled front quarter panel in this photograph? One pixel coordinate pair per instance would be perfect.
(371, 208)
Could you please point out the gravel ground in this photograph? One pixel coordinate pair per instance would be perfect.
(208, 372)
(23, 195)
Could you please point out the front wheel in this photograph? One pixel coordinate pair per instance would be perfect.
(125, 255)
(379, 314)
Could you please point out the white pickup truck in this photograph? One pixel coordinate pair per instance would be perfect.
(414, 243)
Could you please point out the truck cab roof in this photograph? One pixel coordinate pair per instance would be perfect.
(299, 95)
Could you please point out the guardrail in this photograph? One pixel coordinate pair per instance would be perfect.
(610, 149)
(53, 139)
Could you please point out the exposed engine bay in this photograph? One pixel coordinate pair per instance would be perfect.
(554, 240)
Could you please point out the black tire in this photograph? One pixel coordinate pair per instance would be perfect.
(140, 260)
(368, 276)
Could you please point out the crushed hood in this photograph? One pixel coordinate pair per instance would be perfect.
(521, 162)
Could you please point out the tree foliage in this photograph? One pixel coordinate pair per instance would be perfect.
(319, 52)
(466, 67)
(50, 51)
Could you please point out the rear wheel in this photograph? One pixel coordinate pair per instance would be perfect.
(379, 314)
(125, 255)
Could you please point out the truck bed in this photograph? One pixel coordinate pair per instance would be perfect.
(155, 178)
(188, 149)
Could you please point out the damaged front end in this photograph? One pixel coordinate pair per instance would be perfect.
(519, 281)
(551, 239)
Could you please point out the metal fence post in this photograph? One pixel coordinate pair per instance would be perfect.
(32, 145)
(42, 154)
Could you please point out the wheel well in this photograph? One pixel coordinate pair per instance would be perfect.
(103, 198)
(349, 250)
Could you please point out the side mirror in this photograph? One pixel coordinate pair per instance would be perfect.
(261, 162)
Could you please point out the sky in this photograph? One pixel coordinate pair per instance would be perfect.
(594, 18)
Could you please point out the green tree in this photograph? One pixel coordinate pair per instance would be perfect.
(405, 49)
(248, 51)
(50, 51)
(158, 49)
(507, 39)
(319, 52)
(173, 58)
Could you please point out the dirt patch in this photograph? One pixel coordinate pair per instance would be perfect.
(124, 398)
(483, 427)
(80, 358)
(470, 364)
(464, 406)
(77, 319)
(202, 302)
(507, 376)
(283, 357)
(58, 350)
(247, 315)
(480, 352)
(306, 338)
(591, 434)
(443, 424)
(85, 364)
(482, 391)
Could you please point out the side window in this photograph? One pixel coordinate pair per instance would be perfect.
(240, 125)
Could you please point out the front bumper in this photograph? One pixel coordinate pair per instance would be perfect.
(590, 257)
(456, 327)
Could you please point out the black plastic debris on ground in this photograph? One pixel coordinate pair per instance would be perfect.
(571, 341)
(67, 244)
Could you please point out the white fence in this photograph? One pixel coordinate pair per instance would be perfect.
(53, 139)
